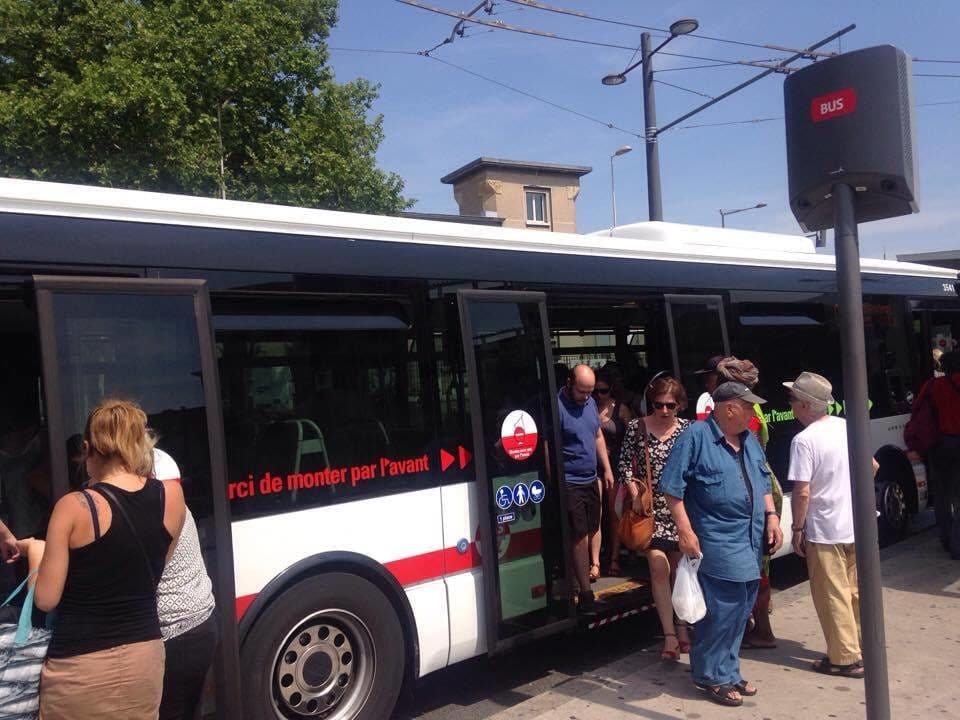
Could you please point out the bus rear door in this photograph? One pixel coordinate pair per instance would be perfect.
(523, 537)
(149, 341)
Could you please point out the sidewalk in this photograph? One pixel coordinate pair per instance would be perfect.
(922, 612)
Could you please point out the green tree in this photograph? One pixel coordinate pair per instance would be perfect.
(229, 98)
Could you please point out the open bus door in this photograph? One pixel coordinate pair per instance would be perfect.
(698, 331)
(149, 341)
(523, 534)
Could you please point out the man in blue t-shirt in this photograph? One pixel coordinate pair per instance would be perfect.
(583, 449)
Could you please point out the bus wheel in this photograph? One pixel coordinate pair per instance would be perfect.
(892, 523)
(330, 647)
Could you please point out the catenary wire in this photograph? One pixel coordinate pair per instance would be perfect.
(552, 36)
(623, 23)
(679, 87)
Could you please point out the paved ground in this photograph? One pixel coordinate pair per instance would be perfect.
(604, 675)
(922, 609)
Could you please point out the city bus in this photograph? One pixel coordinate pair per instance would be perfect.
(363, 408)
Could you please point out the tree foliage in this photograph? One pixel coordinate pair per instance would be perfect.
(230, 98)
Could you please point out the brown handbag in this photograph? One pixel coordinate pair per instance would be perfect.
(636, 528)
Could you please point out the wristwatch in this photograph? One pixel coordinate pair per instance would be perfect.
(768, 513)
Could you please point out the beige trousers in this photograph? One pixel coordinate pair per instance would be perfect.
(833, 585)
(119, 683)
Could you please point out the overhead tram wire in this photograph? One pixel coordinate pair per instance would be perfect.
(624, 23)
(608, 125)
(679, 87)
(558, 106)
(497, 25)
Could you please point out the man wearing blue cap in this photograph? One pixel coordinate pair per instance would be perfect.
(717, 484)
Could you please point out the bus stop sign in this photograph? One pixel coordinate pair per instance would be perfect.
(849, 119)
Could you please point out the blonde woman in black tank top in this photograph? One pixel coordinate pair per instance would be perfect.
(99, 568)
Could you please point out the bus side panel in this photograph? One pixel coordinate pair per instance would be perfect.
(402, 532)
(464, 578)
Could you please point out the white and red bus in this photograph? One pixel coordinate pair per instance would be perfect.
(363, 408)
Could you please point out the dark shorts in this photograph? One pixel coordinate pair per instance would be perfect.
(583, 506)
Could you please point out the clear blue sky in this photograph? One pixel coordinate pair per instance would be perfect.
(437, 117)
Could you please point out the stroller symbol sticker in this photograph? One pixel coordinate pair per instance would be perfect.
(518, 435)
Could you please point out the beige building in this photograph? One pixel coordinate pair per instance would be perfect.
(540, 196)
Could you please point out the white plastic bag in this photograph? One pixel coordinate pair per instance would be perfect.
(688, 600)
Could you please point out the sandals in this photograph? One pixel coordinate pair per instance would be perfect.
(594, 572)
(743, 687)
(853, 670)
(669, 655)
(720, 694)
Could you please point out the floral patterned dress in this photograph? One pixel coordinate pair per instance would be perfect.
(632, 461)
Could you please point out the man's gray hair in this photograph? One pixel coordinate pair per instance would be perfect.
(817, 407)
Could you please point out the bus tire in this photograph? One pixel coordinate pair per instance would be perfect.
(331, 646)
(892, 505)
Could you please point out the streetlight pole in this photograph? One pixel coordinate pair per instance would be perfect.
(613, 188)
(654, 196)
(724, 213)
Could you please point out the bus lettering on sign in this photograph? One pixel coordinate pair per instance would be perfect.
(833, 105)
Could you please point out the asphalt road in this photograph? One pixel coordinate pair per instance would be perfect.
(480, 688)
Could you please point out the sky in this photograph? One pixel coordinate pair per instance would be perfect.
(437, 117)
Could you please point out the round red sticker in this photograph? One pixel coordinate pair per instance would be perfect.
(518, 435)
(704, 406)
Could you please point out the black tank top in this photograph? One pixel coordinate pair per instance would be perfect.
(110, 596)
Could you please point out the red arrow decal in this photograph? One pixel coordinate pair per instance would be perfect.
(446, 459)
(465, 457)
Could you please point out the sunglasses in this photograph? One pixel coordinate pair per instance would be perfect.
(662, 406)
(602, 391)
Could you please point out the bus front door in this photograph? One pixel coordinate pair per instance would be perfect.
(698, 331)
(150, 341)
(523, 534)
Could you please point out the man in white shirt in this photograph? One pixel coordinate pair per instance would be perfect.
(823, 521)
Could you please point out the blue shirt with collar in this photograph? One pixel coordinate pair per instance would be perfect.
(708, 475)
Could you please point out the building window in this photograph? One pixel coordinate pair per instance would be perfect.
(537, 207)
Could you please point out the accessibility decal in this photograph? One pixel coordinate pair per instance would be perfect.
(504, 497)
(537, 491)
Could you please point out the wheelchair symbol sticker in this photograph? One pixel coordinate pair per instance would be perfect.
(504, 497)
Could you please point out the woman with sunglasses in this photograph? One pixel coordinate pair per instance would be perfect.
(614, 416)
(658, 431)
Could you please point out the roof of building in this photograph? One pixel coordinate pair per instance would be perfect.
(482, 163)
(940, 258)
(493, 221)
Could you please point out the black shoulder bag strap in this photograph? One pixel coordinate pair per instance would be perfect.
(105, 489)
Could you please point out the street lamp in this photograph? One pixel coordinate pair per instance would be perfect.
(724, 213)
(680, 27)
(613, 187)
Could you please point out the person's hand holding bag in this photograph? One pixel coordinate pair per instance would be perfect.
(688, 602)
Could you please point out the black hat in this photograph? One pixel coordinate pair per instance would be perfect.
(711, 366)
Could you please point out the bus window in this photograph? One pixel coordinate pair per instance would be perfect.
(321, 409)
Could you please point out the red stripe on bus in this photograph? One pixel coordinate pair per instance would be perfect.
(437, 563)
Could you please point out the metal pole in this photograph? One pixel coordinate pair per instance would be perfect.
(723, 219)
(654, 201)
(858, 441)
(613, 192)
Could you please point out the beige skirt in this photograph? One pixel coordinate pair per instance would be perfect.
(119, 683)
